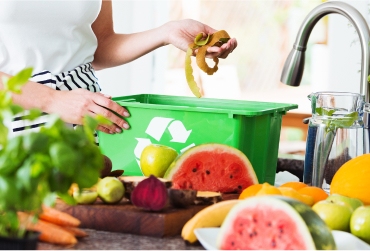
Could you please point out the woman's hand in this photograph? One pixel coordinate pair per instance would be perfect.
(73, 105)
(181, 33)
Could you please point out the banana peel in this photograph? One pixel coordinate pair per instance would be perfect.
(216, 39)
(211, 216)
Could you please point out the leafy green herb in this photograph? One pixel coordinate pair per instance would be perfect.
(338, 122)
(38, 166)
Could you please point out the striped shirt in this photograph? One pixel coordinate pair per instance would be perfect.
(82, 76)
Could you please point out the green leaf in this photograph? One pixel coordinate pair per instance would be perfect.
(12, 156)
(23, 175)
(16, 109)
(3, 135)
(49, 200)
(67, 198)
(64, 157)
(5, 99)
(35, 142)
(16, 82)
(324, 112)
(58, 182)
(33, 114)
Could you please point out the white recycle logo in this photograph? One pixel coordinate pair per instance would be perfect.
(157, 126)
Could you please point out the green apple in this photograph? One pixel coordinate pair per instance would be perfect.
(360, 223)
(85, 196)
(155, 159)
(341, 199)
(336, 216)
(110, 190)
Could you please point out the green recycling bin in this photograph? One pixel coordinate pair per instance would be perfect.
(182, 122)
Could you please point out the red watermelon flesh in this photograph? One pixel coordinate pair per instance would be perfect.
(269, 222)
(212, 167)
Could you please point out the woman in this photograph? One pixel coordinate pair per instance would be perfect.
(64, 42)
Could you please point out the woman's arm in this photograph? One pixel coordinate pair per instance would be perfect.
(71, 106)
(117, 49)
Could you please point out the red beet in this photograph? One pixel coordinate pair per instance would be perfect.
(150, 194)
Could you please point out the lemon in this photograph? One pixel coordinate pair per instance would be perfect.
(155, 159)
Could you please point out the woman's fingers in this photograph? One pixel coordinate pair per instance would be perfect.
(111, 129)
(223, 51)
(107, 109)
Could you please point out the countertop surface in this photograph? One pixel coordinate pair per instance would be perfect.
(102, 240)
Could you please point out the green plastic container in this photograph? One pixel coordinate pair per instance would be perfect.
(182, 122)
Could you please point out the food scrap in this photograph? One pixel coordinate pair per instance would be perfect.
(216, 39)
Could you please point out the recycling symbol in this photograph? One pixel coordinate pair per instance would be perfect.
(156, 128)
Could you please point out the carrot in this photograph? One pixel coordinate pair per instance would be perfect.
(58, 217)
(75, 231)
(49, 232)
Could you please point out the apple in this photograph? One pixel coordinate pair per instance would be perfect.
(155, 159)
(341, 199)
(110, 190)
(336, 216)
(360, 223)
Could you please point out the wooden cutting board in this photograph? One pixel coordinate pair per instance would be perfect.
(126, 218)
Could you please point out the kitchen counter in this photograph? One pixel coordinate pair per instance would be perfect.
(102, 240)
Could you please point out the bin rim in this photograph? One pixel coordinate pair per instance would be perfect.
(260, 107)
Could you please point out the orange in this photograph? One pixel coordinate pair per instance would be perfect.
(296, 185)
(268, 189)
(316, 193)
(250, 191)
(292, 193)
(352, 179)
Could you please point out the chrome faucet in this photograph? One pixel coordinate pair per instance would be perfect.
(294, 65)
(319, 140)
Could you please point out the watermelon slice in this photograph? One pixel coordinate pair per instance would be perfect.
(274, 222)
(212, 167)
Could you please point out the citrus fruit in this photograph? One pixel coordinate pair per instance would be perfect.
(316, 193)
(155, 159)
(360, 223)
(110, 190)
(268, 189)
(336, 216)
(296, 185)
(352, 179)
(250, 191)
(294, 194)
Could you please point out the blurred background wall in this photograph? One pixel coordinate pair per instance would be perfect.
(265, 30)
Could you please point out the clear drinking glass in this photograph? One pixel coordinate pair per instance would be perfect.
(335, 135)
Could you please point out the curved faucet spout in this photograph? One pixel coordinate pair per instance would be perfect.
(294, 65)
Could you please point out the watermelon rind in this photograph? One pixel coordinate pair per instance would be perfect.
(311, 227)
(210, 147)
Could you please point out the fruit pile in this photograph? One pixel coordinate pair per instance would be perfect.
(339, 212)
(296, 190)
(206, 167)
(278, 213)
(346, 214)
(262, 222)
